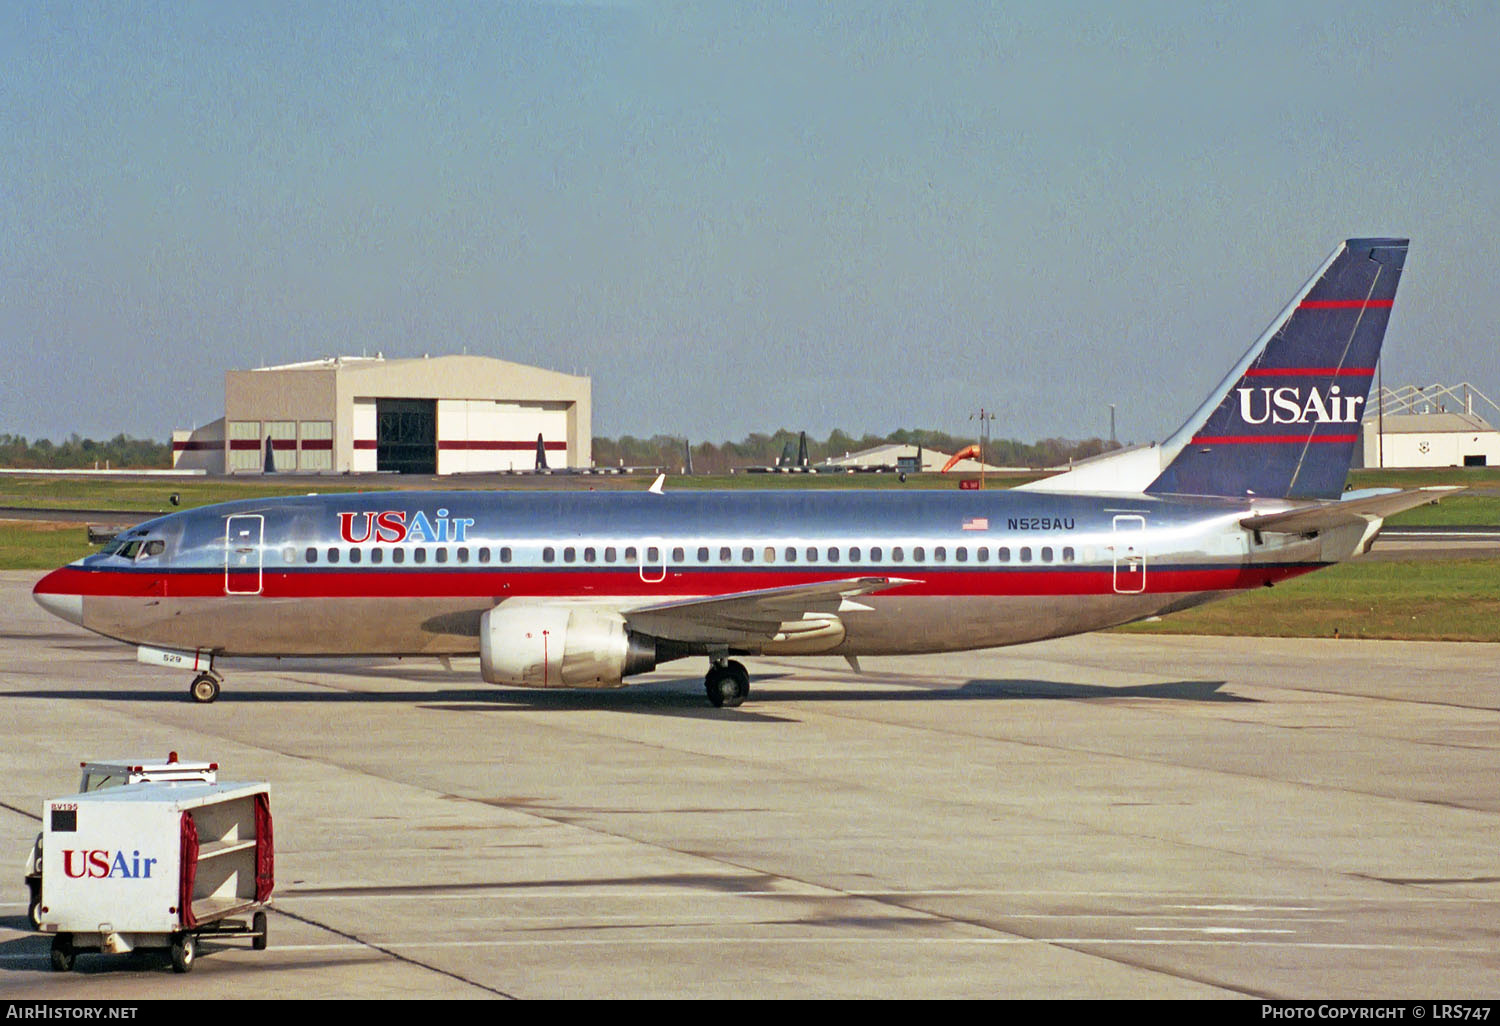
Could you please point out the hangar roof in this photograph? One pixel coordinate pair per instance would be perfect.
(1433, 423)
(437, 364)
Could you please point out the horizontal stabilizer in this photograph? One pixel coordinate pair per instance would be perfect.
(752, 615)
(1359, 506)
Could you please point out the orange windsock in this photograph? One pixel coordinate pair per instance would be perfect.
(970, 452)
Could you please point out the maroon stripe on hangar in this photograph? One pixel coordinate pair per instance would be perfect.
(479, 445)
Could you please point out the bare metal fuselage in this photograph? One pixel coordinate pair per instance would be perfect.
(406, 573)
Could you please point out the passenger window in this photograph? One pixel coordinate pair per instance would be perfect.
(398, 555)
(875, 554)
(610, 554)
(419, 555)
(897, 554)
(961, 554)
(569, 554)
(833, 555)
(854, 555)
(770, 554)
(1046, 553)
(333, 555)
(505, 554)
(549, 554)
(791, 554)
(311, 554)
(678, 556)
(939, 554)
(653, 555)
(484, 554)
(812, 554)
(289, 555)
(725, 554)
(1003, 554)
(376, 555)
(702, 554)
(630, 556)
(590, 555)
(983, 555)
(747, 554)
(1025, 553)
(354, 555)
(441, 555)
(918, 554)
(463, 554)
(1067, 554)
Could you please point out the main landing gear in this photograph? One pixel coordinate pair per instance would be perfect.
(205, 687)
(727, 683)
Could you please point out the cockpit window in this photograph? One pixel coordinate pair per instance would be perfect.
(130, 548)
(154, 547)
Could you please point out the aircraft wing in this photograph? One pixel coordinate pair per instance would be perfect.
(1357, 507)
(753, 615)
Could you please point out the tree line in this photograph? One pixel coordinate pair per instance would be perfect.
(83, 453)
(667, 451)
(763, 450)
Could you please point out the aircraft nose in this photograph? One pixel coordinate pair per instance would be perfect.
(53, 596)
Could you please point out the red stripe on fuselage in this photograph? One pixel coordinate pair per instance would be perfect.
(1272, 439)
(496, 585)
(1316, 372)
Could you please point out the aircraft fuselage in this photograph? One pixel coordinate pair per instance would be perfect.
(405, 573)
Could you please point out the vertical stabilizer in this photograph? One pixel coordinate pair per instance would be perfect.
(1286, 420)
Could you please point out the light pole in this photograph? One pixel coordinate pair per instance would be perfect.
(1112, 442)
(985, 418)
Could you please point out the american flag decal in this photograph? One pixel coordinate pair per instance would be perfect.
(976, 523)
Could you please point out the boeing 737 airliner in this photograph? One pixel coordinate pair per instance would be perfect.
(561, 589)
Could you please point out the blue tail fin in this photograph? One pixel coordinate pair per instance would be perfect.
(1286, 420)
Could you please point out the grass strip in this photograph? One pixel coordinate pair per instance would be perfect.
(1417, 600)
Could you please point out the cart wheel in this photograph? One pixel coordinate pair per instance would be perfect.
(184, 952)
(63, 954)
(258, 925)
(34, 909)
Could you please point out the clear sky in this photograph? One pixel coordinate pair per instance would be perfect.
(733, 216)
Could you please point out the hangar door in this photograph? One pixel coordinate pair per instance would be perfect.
(406, 435)
(490, 435)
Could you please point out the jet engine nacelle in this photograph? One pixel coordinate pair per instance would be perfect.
(557, 645)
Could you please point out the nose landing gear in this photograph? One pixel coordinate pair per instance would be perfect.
(205, 687)
(727, 683)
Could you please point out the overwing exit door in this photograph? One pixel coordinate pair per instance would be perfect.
(1130, 553)
(653, 565)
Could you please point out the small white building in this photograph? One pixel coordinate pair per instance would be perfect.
(437, 415)
(910, 459)
(1429, 440)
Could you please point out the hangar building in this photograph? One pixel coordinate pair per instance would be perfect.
(1435, 426)
(433, 415)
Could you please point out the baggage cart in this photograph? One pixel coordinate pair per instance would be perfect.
(156, 865)
(97, 774)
